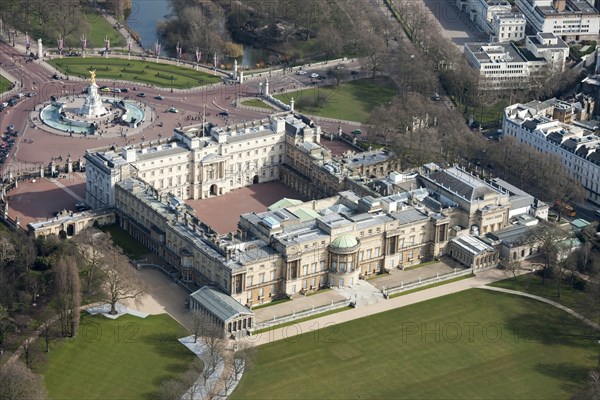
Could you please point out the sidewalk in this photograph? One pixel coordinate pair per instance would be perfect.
(289, 332)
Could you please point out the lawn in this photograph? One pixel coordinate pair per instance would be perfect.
(5, 84)
(163, 75)
(470, 345)
(256, 103)
(127, 358)
(99, 28)
(352, 101)
(573, 298)
(121, 238)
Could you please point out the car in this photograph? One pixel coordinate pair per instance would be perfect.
(2, 107)
(30, 94)
(52, 98)
(301, 72)
(56, 77)
(124, 90)
(19, 95)
(224, 114)
(116, 90)
(314, 75)
(141, 94)
(10, 128)
(5, 104)
(173, 110)
(436, 97)
(12, 102)
(105, 89)
(159, 97)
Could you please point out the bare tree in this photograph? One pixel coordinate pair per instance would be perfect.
(512, 266)
(17, 382)
(172, 389)
(68, 295)
(119, 280)
(92, 247)
(548, 236)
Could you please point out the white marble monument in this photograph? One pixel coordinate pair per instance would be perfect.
(92, 105)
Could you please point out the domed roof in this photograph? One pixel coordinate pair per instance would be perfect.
(344, 242)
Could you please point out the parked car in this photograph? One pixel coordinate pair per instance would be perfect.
(30, 94)
(10, 128)
(173, 110)
(116, 90)
(12, 102)
(224, 114)
(124, 90)
(105, 89)
(56, 77)
(19, 95)
(159, 97)
(141, 94)
(301, 72)
(314, 75)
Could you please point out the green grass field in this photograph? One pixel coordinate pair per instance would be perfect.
(573, 298)
(99, 28)
(471, 345)
(5, 84)
(163, 75)
(256, 103)
(127, 358)
(352, 101)
(121, 238)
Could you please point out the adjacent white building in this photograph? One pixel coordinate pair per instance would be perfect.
(502, 65)
(577, 146)
(549, 47)
(507, 26)
(506, 66)
(568, 19)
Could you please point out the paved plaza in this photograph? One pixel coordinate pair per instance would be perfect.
(222, 213)
(38, 199)
(299, 303)
(396, 276)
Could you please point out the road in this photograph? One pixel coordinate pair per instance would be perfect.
(36, 146)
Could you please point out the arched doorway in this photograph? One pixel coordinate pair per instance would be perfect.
(214, 190)
(70, 229)
(255, 180)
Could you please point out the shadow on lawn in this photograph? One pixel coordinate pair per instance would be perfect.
(573, 377)
(554, 329)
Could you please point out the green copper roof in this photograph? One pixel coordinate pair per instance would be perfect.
(283, 203)
(344, 242)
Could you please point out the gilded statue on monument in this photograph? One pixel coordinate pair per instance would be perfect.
(92, 77)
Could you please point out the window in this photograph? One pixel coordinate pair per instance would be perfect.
(261, 278)
(305, 269)
(314, 268)
(322, 265)
(272, 275)
(377, 251)
(261, 292)
(249, 281)
(368, 254)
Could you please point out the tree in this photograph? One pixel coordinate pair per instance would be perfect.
(374, 52)
(548, 236)
(120, 281)
(92, 247)
(339, 74)
(68, 295)
(330, 41)
(17, 382)
(512, 266)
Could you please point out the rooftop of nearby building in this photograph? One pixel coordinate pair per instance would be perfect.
(471, 244)
(462, 183)
(571, 7)
(222, 305)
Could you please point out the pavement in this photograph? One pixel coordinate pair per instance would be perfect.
(299, 303)
(396, 276)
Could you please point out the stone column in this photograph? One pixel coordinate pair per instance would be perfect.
(40, 49)
(267, 87)
(235, 70)
(241, 77)
(260, 88)
(69, 165)
(292, 105)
